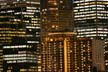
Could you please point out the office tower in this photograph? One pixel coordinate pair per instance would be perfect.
(56, 17)
(88, 55)
(58, 52)
(20, 35)
(82, 55)
(65, 52)
(90, 18)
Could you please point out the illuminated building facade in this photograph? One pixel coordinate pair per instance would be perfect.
(58, 52)
(66, 53)
(56, 17)
(20, 36)
(89, 55)
(90, 18)
(83, 55)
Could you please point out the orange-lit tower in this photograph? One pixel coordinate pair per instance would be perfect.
(57, 53)
(56, 17)
(61, 50)
(66, 53)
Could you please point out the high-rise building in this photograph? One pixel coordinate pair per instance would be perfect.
(58, 55)
(56, 17)
(82, 55)
(87, 55)
(20, 36)
(64, 52)
(90, 18)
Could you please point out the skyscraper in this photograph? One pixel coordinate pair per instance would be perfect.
(64, 52)
(56, 17)
(82, 55)
(90, 18)
(20, 35)
(58, 53)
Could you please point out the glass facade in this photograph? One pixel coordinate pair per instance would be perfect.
(38, 35)
(56, 17)
(20, 35)
(90, 18)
